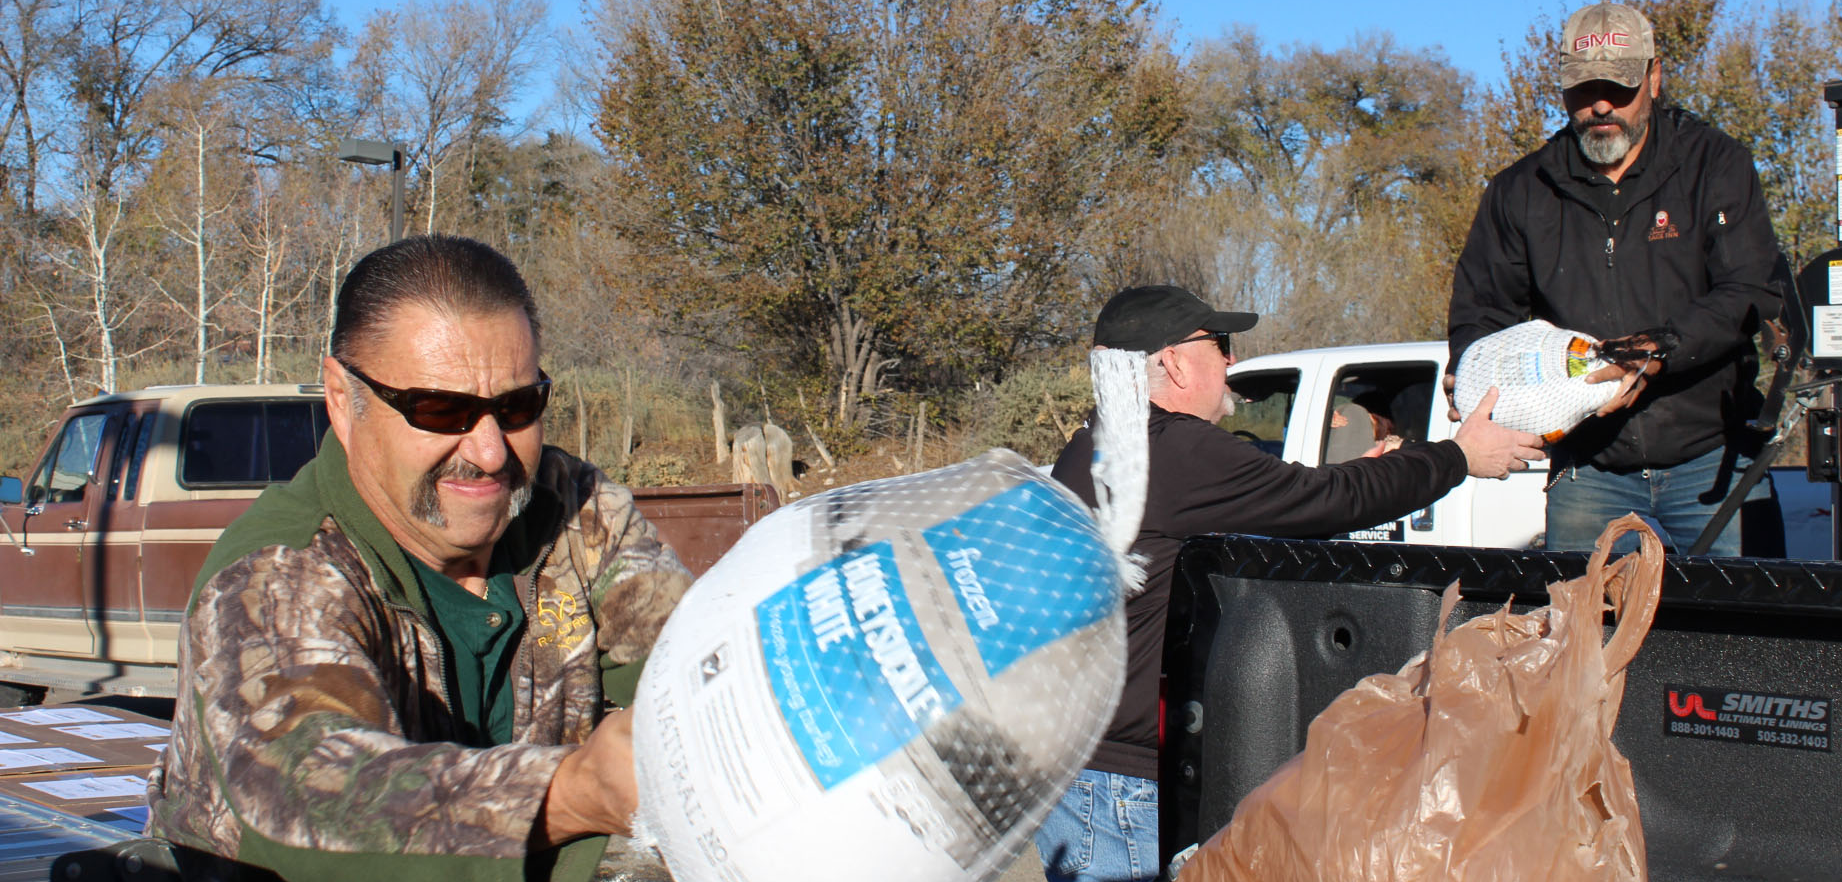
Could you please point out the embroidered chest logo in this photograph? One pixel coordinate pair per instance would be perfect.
(560, 622)
(1663, 228)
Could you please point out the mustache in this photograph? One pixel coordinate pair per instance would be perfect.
(463, 470)
(425, 500)
(1595, 120)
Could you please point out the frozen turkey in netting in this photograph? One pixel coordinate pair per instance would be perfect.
(1540, 374)
(894, 680)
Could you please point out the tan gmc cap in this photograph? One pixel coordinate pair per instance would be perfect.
(1606, 42)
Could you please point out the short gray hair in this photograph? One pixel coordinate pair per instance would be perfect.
(1157, 376)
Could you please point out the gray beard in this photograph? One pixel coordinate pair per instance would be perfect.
(1610, 149)
(425, 500)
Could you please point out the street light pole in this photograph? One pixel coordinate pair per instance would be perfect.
(396, 192)
(366, 152)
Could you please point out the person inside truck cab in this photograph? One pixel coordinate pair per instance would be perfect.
(1205, 480)
(1635, 217)
(395, 666)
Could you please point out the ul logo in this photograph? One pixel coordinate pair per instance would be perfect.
(1692, 705)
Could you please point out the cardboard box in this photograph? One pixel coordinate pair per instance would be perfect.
(113, 796)
(57, 737)
(86, 760)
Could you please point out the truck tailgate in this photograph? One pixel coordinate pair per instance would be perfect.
(1725, 714)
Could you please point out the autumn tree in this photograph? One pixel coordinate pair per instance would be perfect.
(868, 195)
(1331, 183)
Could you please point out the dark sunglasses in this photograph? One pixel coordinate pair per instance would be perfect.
(455, 413)
(1220, 338)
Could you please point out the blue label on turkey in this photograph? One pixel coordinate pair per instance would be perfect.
(852, 673)
(1028, 568)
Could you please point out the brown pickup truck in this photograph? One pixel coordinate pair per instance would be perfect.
(99, 545)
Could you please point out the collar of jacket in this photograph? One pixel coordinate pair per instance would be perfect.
(290, 514)
(1665, 125)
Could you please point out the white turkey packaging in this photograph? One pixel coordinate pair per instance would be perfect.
(1540, 374)
(894, 680)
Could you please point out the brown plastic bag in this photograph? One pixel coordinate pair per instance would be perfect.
(1488, 758)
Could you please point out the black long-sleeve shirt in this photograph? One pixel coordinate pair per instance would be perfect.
(1205, 480)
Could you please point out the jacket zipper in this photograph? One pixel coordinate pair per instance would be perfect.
(441, 653)
(520, 656)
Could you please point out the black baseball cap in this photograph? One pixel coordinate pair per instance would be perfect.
(1151, 317)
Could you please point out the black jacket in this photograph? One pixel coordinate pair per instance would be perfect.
(1204, 480)
(1692, 250)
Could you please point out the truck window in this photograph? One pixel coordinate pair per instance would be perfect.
(1262, 407)
(124, 446)
(142, 438)
(242, 443)
(72, 461)
(1371, 402)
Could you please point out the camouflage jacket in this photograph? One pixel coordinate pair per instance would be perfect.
(314, 732)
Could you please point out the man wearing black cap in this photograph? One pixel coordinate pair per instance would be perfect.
(1633, 217)
(1205, 480)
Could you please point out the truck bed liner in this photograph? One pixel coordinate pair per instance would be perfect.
(1265, 633)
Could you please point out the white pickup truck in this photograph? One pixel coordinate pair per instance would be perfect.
(1287, 404)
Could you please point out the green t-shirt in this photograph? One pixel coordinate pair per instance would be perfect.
(481, 637)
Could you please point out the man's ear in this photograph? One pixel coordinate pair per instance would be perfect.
(339, 393)
(1176, 367)
(1655, 80)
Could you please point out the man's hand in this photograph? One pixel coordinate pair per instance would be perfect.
(1632, 376)
(1386, 445)
(1492, 451)
(1451, 397)
(593, 791)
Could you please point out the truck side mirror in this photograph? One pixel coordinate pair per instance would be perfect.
(12, 491)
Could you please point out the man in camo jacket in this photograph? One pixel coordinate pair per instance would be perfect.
(394, 666)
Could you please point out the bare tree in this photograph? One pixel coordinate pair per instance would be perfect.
(36, 36)
(457, 65)
(89, 253)
(195, 215)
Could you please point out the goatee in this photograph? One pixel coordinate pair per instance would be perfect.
(1601, 148)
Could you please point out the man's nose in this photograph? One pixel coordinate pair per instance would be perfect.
(485, 445)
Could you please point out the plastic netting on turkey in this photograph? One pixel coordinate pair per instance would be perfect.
(1540, 374)
(893, 680)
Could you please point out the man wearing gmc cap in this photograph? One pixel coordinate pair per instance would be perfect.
(1633, 217)
(1203, 480)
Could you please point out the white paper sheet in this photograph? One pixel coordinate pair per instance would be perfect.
(112, 731)
(27, 757)
(53, 716)
(93, 787)
(10, 738)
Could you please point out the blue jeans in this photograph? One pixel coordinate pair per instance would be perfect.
(1680, 499)
(1105, 829)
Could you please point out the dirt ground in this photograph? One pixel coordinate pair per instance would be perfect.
(1028, 868)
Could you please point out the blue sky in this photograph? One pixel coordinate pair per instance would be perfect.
(1471, 34)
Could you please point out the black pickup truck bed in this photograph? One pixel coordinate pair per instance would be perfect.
(1736, 772)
